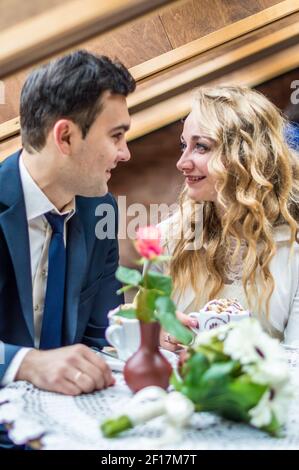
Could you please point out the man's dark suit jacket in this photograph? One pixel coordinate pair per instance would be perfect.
(90, 277)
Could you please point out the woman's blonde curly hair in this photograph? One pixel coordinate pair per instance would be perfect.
(257, 183)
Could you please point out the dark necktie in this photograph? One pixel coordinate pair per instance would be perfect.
(51, 333)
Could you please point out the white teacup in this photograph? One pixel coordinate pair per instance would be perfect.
(124, 335)
(209, 320)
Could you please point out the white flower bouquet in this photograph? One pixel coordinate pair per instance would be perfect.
(240, 373)
(236, 371)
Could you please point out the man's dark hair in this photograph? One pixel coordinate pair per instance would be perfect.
(69, 87)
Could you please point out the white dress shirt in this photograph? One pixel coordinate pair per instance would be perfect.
(40, 232)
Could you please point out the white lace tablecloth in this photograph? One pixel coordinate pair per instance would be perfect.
(63, 422)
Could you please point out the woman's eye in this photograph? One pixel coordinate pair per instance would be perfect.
(202, 148)
(183, 146)
(199, 147)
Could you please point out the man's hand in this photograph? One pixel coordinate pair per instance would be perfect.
(170, 342)
(71, 370)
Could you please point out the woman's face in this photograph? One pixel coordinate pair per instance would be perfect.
(197, 150)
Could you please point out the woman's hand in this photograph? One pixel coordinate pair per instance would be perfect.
(170, 342)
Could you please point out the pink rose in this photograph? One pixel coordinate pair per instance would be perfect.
(148, 243)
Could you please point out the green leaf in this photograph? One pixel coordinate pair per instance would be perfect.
(128, 276)
(230, 397)
(113, 427)
(158, 281)
(213, 351)
(125, 289)
(165, 313)
(274, 428)
(145, 305)
(127, 313)
(192, 372)
(218, 372)
(151, 297)
(162, 258)
(165, 305)
(176, 380)
(141, 261)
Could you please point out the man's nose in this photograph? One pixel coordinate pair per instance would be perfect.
(124, 153)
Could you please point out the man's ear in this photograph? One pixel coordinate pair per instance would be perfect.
(65, 135)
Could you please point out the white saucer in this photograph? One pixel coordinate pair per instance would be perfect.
(118, 364)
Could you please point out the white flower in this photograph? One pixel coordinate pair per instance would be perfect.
(179, 408)
(268, 372)
(275, 401)
(248, 343)
(205, 337)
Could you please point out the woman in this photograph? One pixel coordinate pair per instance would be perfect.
(236, 231)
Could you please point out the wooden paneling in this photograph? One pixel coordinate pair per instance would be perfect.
(160, 115)
(214, 39)
(65, 26)
(268, 3)
(9, 128)
(9, 146)
(216, 62)
(169, 110)
(12, 86)
(145, 42)
(279, 90)
(145, 29)
(132, 44)
(153, 106)
(15, 11)
(217, 53)
(195, 18)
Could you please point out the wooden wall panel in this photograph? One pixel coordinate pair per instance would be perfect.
(132, 44)
(220, 51)
(12, 87)
(146, 38)
(65, 26)
(9, 146)
(196, 18)
(15, 11)
(141, 40)
(279, 90)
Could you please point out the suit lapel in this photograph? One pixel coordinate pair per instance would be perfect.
(15, 228)
(76, 266)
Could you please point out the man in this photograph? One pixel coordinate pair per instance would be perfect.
(57, 279)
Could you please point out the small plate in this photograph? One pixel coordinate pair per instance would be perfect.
(117, 364)
(113, 362)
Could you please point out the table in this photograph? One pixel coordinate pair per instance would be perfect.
(63, 422)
